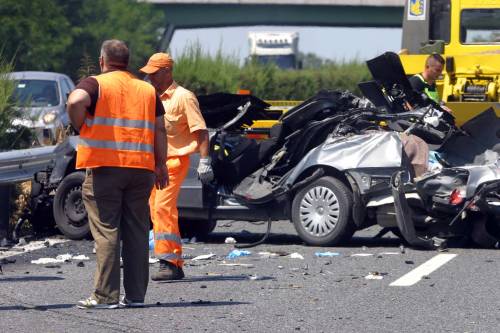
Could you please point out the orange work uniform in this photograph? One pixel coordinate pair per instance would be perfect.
(182, 118)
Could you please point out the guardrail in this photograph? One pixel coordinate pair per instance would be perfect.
(20, 165)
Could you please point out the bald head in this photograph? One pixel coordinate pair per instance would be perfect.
(115, 53)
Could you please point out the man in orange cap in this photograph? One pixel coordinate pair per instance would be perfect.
(187, 133)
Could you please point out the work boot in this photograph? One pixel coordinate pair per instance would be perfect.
(168, 272)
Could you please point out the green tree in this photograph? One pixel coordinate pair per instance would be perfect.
(11, 136)
(58, 35)
(36, 33)
(93, 21)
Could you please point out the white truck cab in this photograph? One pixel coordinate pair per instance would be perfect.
(280, 48)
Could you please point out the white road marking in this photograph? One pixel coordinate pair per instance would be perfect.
(425, 269)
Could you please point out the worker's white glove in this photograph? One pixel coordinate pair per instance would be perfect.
(205, 171)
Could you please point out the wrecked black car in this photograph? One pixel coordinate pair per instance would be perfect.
(337, 163)
(332, 165)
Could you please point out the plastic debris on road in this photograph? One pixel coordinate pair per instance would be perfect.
(237, 265)
(37, 245)
(296, 255)
(80, 257)
(59, 259)
(238, 253)
(204, 256)
(326, 254)
(230, 240)
(153, 260)
(267, 254)
(374, 276)
(255, 277)
(361, 254)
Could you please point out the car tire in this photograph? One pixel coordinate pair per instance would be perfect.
(321, 212)
(198, 228)
(69, 210)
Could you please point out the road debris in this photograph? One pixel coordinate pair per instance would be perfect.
(204, 257)
(389, 253)
(80, 264)
(237, 265)
(255, 277)
(238, 253)
(59, 259)
(361, 254)
(326, 254)
(296, 255)
(374, 276)
(153, 260)
(268, 254)
(230, 240)
(37, 245)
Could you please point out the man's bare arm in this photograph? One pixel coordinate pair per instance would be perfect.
(77, 105)
(203, 142)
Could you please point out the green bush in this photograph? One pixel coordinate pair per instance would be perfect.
(206, 74)
(11, 136)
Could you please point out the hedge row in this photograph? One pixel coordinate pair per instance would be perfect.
(206, 74)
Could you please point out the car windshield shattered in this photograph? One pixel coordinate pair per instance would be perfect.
(36, 93)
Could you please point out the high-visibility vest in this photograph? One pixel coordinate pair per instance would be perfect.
(431, 93)
(121, 131)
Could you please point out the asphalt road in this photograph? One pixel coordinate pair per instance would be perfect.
(269, 293)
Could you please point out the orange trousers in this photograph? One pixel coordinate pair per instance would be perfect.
(164, 214)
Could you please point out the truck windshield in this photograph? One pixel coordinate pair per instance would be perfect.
(480, 26)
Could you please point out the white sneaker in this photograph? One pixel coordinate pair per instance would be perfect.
(126, 303)
(91, 303)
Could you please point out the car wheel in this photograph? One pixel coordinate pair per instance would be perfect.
(69, 210)
(200, 229)
(321, 212)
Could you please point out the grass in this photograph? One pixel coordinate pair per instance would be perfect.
(205, 74)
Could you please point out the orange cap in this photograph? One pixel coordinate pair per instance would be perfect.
(157, 61)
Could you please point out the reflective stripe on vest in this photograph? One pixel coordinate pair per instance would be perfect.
(168, 237)
(134, 146)
(121, 131)
(432, 94)
(168, 256)
(119, 122)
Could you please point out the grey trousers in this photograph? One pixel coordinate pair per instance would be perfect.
(116, 200)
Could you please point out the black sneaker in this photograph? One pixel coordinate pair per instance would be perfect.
(126, 303)
(168, 272)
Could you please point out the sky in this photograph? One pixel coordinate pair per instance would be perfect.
(326, 42)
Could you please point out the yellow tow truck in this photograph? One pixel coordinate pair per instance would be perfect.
(467, 34)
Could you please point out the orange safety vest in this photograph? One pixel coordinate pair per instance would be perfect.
(121, 132)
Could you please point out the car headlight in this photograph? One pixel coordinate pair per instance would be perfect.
(49, 117)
